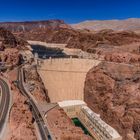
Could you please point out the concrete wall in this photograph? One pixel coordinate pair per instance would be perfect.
(64, 78)
(92, 121)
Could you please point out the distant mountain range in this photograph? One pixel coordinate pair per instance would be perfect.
(31, 25)
(132, 24)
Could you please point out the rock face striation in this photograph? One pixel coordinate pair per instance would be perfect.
(112, 88)
(31, 25)
(108, 45)
(36, 86)
(10, 47)
(113, 91)
(115, 46)
(62, 127)
(20, 122)
(8, 40)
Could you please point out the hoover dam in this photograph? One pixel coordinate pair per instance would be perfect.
(64, 77)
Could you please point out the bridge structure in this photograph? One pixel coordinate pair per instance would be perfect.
(98, 129)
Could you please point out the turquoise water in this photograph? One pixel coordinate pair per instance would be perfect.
(77, 123)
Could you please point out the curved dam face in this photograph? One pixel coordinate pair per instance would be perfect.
(64, 77)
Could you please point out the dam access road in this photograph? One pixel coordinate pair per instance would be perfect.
(4, 103)
(43, 130)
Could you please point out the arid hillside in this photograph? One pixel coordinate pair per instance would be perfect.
(132, 24)
(7, 39)
(31, 25)
(113, 91)
(121, 46)
(9, 47)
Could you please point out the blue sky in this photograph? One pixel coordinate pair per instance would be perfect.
(72, 11)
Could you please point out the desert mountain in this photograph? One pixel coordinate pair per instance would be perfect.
(31, 25)
(10, 47)
(8, 40)
(113, 46)
(113, 91)
(132, 24)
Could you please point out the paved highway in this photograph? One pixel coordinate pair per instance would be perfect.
(4, 103)
(44, 133)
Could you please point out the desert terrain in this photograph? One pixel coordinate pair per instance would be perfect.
(132, 24)
(21, 123)
(112, 88)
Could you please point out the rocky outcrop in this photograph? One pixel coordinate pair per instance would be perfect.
(20, 121)
(101, 43)
(79, 39)
(8, 40)
(113, 91)
(31, 25)
(10, 57)
(62, 127)
(107, 44)
(10, 47)
(36, 85)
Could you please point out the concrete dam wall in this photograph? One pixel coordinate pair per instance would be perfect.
(64, 77)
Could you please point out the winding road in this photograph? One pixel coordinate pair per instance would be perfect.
(4, 102)
(44, 133)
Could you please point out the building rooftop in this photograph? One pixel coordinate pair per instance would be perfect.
(104, 125)
(67, 103)
(94, 117)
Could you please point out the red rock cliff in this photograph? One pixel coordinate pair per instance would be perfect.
(113, 91)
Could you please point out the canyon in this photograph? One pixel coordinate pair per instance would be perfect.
(10, 47)
(111, 88)
(113, 91)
